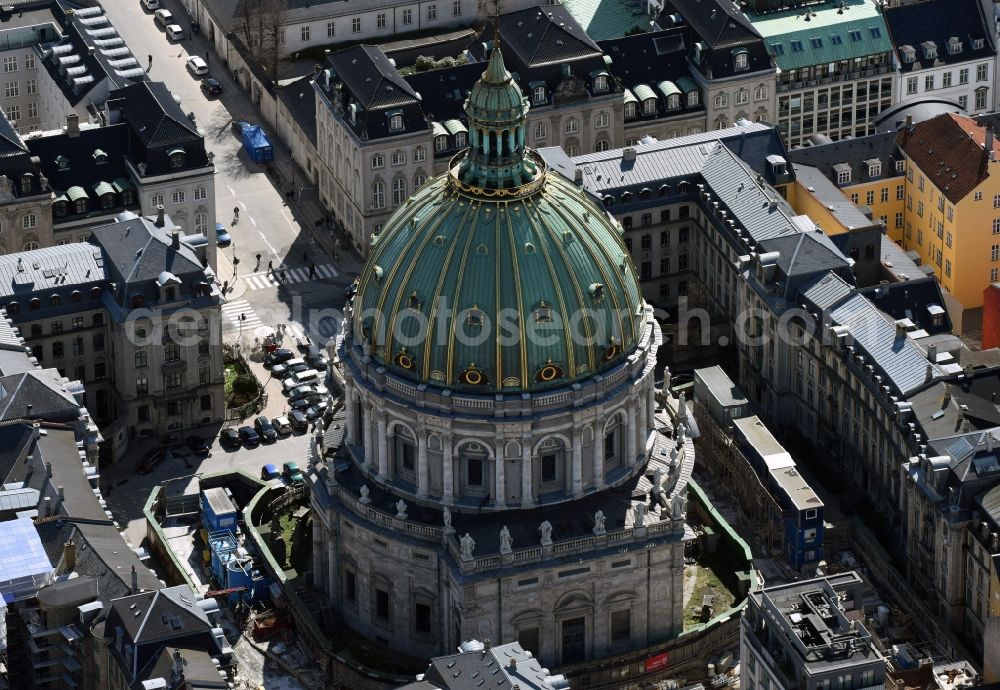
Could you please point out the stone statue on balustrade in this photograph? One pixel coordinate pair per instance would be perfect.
(678, 505)
(546, 529)
(446, 516)
(505, 540)
(467, 544)
(681, 434)
(364, 494)
(640, 515)
(599, 522)
(658, 482)
(401, 509)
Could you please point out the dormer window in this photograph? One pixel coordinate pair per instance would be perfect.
(673, 102)
(62, 162)
(630, 110)
(874, 168)
(60, 207)
(741, 60)
(100, 157)
(176, 157)
(900, 166)
(649, 106)
(543, 313)
(460, 140)
(930, 50)
(441, 143)
(692, 99)
(601, 83)
(908, 54)
(474, 316)
(843, 171)
(977, 43)
(538, 94)
(26, 180)
(954, 45)
(396, 122)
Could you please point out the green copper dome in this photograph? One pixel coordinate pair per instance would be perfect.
(498, 276)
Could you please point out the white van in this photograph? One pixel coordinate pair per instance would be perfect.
(302, 378)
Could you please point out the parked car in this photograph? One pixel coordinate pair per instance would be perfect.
(151, 459)
(175, 33)
(318, 358)
(197, 66)
(163, 18)
(317, 410)
(249, 437)
(290, 471)
(198, 445)
(280, 355)
(264, 429)
(230, 438)
(288, 367)
(297, 418)
(308, 389)
(269, 472)
(281, 425)
(302, 342)
(222, 237)
(301, 378)
(211, 87)
(307, 401)
(150, 4)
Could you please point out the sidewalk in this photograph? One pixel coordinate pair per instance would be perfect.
(236, 288)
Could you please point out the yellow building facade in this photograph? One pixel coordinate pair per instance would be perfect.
(951, 213)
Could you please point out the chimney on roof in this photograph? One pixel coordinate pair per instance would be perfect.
(513, 664)
(61, 492)
(932, 352)
(578, 175)
(48, 469)
(988, 143)
(909, 119)
(930, 372)
(73, 125)
(159, 216)
(175, 238)
(69, 557)
(135, 581)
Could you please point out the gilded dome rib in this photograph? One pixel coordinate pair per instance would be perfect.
(470, 233)
(512, 248)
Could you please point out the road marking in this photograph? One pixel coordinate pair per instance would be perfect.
(269, 245)
(291, 223)
(253, 222)
(243, 206)
(263, 280)
(232, 311)
(231, 191)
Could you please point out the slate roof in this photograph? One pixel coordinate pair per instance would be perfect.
(15, 160)
(804, 254)
(15, 443)
(938, 21)
(165, 614)
(650, 58)
(542, 36)
(90, 54)
(899, 358)
(443, 91)
(82, 168)
(830, 197)
(853, 152)
(717, 22)
(467, 670)
(25, 273)
(949, 151)
(49, 394)
(138, 251)
(780, 29)
(157, 124)
(299, 98)
(101, 552)
(371, 77)
(909, 300)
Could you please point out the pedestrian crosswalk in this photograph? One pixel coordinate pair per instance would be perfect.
(240, 310)
(301, 274)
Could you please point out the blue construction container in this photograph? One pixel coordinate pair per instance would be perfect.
(217, 510)
(256, 143)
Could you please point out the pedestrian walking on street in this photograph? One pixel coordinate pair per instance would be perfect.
(257, 267)
(312, 270)
(281, 275)
(150, 63)
(270, 266)
(206, 56)
(236, 212)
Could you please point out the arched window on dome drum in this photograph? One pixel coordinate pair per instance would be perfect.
(613, 437)
(404, 454)
(551, 465)
(475, 469)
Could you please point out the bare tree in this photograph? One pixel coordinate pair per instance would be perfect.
(262, 27)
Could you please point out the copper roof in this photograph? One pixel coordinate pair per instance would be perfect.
(949, 151)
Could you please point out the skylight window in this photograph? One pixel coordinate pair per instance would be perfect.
(855, 35)
(876, 32)
(777, 49)
(816, 42)
(796, 46)
(835, 39)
